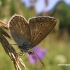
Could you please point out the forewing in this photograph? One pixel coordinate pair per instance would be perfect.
(40, 27)
(19, 29)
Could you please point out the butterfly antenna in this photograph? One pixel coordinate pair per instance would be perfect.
(40, 59)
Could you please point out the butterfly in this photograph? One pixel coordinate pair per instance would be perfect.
(28, 34)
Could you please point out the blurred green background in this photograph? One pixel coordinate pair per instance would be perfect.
(57, 43)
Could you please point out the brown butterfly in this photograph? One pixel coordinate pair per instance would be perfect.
(29, 34)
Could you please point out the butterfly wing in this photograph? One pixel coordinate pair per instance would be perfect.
(19, 29)
(40, 27)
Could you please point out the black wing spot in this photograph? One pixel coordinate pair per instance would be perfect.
(37, 24)
(27, 37)
(41, 24)
(40, 33)
(48, 25)
(27, 29)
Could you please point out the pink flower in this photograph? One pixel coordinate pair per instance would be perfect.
(38, 53)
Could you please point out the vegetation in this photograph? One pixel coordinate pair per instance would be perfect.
(57, 43)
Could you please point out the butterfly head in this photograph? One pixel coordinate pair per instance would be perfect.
(26, 49)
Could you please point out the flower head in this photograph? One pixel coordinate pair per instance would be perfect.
(38, 53)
